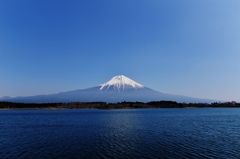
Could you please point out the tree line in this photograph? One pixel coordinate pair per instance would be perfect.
(119, 105)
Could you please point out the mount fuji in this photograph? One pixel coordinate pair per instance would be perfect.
(118, 89)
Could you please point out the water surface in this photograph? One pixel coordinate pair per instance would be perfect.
(123, 133)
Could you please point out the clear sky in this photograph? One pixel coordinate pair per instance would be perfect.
(185, 47)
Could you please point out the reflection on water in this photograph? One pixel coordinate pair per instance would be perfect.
(125, 133)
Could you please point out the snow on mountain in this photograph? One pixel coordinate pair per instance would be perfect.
(120, 83)
(119, 88)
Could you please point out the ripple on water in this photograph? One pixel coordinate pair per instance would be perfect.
(135, 133)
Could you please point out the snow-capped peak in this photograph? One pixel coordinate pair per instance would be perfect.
(120, 82)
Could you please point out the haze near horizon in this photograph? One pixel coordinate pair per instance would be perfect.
(188, 48)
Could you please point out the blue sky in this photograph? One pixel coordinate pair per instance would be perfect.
(182, 47)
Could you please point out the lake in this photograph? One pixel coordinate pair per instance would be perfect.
(120, 133)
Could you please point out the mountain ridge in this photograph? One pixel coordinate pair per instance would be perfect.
(117, 89)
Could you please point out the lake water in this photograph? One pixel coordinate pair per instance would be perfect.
(124, 133)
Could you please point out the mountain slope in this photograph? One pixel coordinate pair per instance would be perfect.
(117, 89)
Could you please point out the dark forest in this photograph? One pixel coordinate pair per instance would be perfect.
(120, 105)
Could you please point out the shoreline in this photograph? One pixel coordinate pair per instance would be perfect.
(104, 105)
(3, 109)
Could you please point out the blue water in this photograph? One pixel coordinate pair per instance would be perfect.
(124, 133)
